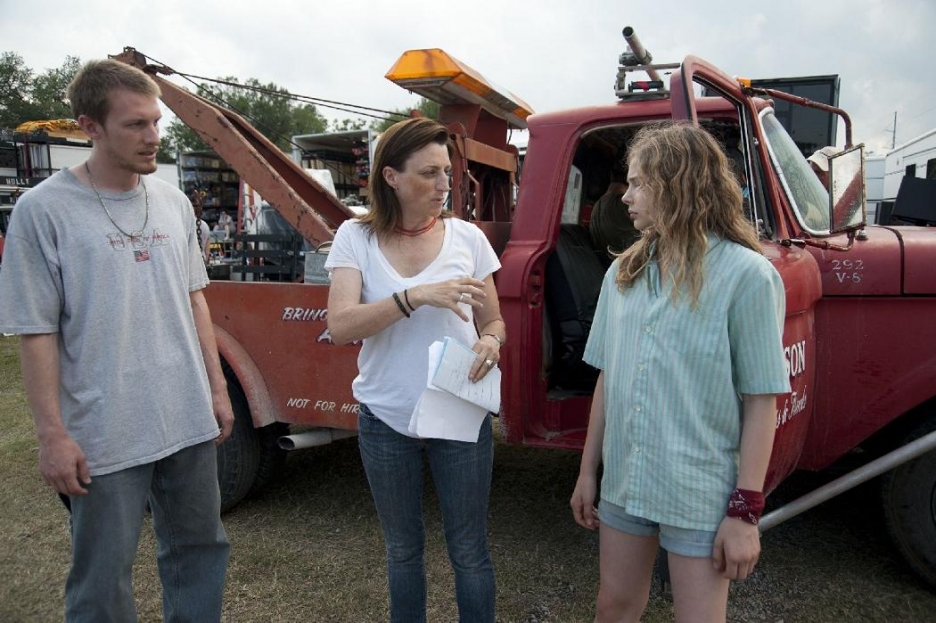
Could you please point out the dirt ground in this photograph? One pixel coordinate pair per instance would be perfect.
(309, 548)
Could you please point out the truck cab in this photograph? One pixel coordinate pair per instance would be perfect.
(858, 389)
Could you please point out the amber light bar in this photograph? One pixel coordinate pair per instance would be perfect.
(438, 76)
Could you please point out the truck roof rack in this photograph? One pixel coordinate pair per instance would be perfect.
(636, 89)
(637, 58)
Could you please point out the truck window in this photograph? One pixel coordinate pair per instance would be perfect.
(808, 197)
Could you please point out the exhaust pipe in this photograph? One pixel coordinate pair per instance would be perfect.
(640, 53)
(315, 437)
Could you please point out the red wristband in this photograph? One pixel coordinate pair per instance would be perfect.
(746, 505)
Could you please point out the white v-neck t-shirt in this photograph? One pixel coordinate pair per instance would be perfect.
(393, 365)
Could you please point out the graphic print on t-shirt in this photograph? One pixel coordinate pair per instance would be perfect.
(139, 245)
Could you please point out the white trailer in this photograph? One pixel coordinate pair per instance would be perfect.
(915, 158)
(874, 185)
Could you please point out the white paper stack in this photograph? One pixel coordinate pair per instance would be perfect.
(452, 407)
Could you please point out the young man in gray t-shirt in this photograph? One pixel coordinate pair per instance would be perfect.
(102, 279)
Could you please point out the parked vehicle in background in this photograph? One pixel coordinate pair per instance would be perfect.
(860, 389)
(11, 188)
(909, 185)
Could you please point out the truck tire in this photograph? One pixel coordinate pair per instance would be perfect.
(272, 457)
(909, 500)
(239, 455)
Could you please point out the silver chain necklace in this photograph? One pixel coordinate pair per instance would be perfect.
(139, 232)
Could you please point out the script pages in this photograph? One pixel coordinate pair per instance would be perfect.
(452, 407)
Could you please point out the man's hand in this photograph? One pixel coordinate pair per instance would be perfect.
(736, 548)
(63, 465)
(224, 415)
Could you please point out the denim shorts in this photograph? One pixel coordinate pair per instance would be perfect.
(681, 541)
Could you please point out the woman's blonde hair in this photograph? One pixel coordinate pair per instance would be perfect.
(693, 192)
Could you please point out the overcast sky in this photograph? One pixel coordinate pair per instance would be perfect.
(551, 53)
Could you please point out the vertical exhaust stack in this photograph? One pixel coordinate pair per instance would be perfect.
(637, 52)
(637, 58)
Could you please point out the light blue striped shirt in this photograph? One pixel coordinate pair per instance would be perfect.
(673, 377)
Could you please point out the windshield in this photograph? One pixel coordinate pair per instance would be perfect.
(808, 196)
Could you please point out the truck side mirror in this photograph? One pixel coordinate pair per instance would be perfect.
(847, 190)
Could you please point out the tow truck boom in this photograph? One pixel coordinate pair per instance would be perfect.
(305, 204)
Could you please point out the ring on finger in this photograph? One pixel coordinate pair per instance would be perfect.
(462, 296)
(489, 363)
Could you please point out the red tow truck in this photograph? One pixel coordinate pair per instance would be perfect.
(860, 336)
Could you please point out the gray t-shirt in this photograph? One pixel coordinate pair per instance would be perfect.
(133, 383)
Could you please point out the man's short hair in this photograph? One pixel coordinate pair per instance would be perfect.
(89, 92)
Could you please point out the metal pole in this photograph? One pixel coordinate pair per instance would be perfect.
(894, 132)
(850, 480)
(640, 53)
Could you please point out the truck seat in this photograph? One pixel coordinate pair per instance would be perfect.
(573, 281)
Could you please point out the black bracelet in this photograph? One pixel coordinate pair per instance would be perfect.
(399, 304)
(406, 297)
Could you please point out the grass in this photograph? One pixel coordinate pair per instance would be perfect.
(309, 548)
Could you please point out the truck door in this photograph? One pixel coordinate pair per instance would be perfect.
(796, 266)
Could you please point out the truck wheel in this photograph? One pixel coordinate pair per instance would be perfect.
(909, 497)
(239, 455)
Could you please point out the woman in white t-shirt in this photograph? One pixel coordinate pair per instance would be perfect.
(402, 277)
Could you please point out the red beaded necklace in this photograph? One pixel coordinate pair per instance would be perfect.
(417, 232)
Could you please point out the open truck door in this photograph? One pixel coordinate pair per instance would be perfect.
(794, 264)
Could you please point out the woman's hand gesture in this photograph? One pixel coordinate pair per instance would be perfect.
(449, 294)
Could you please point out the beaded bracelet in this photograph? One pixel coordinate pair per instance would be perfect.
(399, 304)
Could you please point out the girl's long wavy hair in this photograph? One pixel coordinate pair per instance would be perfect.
(693, 192)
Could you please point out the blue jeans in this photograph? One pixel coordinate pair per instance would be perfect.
(461, 472)
(192, 552)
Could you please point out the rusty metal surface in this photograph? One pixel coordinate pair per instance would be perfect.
(485, 154)
(305, 378)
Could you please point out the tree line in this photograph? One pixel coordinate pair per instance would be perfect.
(26, 95)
